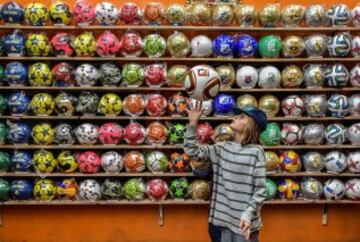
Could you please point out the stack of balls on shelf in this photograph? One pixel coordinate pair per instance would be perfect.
(134, 189)
(132, 44)
(222, 13)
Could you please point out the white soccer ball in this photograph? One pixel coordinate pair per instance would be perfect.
(293, 105)
(339, 45)
(202, 82)
(247, 77)
(353, 162)
(355, 76)
(338, 15)
(87, 133)
(354, 102)
(206, 106)
(64, 134)
(338, 105)
(335, 134)
(106, 13)
(314, 134)
(335, 162)
(201, 46)
(86, 75)
(269, 77)
(336, 75)
(334, 189)
(353, 133)
(112, 162)
(352, 188)
(291, 134)
(89, 190)
(356, 15)
(355, 46)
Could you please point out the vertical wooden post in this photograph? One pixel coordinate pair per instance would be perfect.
(161, 215)
(324, 217)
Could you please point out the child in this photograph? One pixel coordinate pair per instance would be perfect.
(238, 173)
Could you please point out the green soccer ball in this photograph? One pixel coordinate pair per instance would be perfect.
(111, 189)
(271, 189)
(3, 133)
(4, 190)
(177, 133)
(179, 188)
(134, 189)
(154, 45)
(133, 74)
(4, 161)
(2, 103)
(271, 136)
(270, 46)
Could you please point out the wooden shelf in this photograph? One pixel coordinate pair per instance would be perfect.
(185, 59)
(165, 174)
(169, 118)
(163, 147)
(169, 202)
(182, 28)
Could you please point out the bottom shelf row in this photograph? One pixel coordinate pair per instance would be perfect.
(158, 190)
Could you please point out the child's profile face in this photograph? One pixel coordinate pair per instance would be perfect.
(240, 122)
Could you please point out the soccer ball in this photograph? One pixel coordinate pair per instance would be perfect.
(111, 188)
(293, 105)
(44, 161)
(110, 104)
(355, 76)
(335, 134)
(179, 162)
(133, 74)
(86, 75)
(338, 15)
(201, 46)
(313, 161)
(335, 162)
(354, 102)
(202, 82)
(89, 190)
(87, 103)
(42, 104)
(134, 161)
(18, 133)
(63, 75)
(65, 104)
(21, 161)
(134, 134)
(354, 134)
(63, 44)
(36, 14)
(338, 105)
(110, 133)
(199, 190)
(156, 105)
(156, 161)
(179, 188)
(290, 161)
(339, 45)
(134, 189)
(334, 189)
(156, 133)
(353, 162)
(84, 12)
(269, 77)
(64, 134)
(107, 44)
(352, 188)
(157, 189)
(67, 188)
(288, 189)
(177, 133)
(66, 162)
(106, 13)
(38, 45)
(43, 134)
(272, 161)
(89, 162)
(87, 133)
(177, 105)
(291, 134)
(110, 74)
(21, 190)
(134, 105)
(85, 44)
(312, 188)
(112, 162)
(17, 103)
(60, 13)
(154, 45)
(44, 190)
(247, 77)
(336, 75)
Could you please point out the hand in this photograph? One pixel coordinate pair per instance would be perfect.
(245, 229)
(195, 112)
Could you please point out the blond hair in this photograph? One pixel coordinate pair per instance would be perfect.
(252, 134)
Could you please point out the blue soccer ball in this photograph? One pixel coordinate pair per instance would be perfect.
(224, 104)
(15, 74)
(21, 161)
(224, 45)
(14, 44)
(12, 12)
(21, 190)
(246, 46)
(19, 133)
(17, 103)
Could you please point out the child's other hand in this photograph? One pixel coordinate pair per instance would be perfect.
(195, 112)
(245, 229)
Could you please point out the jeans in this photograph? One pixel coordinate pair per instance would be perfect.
(215, 232)
(228, 236)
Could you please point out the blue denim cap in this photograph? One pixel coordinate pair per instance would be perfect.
(257, 114)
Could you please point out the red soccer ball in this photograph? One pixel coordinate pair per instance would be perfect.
(107, 45)
(131, 44)
(89, 162)
(134, 134)
(204, 132)
(84, 12)
(63, 44)
(110, 133)
(134, 105)
(155, 74)
(156, 133)
(157, 189)
(156, 105)
(63, 75)
(130, 13)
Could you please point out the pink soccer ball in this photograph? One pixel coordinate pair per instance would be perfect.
(130, 13)
(89, 162)
(107, 44)
(84, 12)
(131, 44)
(156, 105)
(134, 134)
(157, 189)
(110, 133)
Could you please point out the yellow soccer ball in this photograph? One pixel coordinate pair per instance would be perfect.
(38, 45)
(40, 74)
(60, 13)
(43, 134)
(110, 104)
(44, 190)
(42, 104)
(36, 14)
(44, 161)
(67, 162)
(67, 188)
(85, 44)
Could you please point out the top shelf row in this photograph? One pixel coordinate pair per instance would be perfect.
(194, 13)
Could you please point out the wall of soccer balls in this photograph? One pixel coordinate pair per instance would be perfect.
(68, 123)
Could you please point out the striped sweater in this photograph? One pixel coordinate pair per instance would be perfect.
(238, 181)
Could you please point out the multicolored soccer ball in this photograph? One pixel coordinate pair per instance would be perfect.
(313, 161)
(154, 45)
(134, 105)
(67, 162)
(110, 74)
(63, 75)
(88, 162)
(293, 105)
(14, 43)
(338, 15)
(288, 189)
(65, 104)
(107, 45)
(156, 133)
(177, 133)
(111, 189)
(311, 188)
(133, 74)
(179, 162)
(155, 75)
(224, 45)
(177, 105)
(106, 13)
(130, 14)
(21, 189)
(272, 134)
(352, 189)
(179, 188)
(338, 105)
(156, 105)
(290, 161)
(110, 133)
(64, 134)
(204, 133)
(131, 44)
(199, 190)
(87, 133)
(18, 133)
(43, 134)
(156, 161)
(84, 12)
(353, 161)
(17, 103)
(291, 134)
(63, 44)
(44, 190)
(335, 134)
(15, 74)
(67, 189)
(86, 75)
(339, 45)
(21, 161)
(334, 189)
(336, 75)
(44, 161)
(157, 189)
(87, 103)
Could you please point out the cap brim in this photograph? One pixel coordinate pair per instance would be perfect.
(237, 111)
